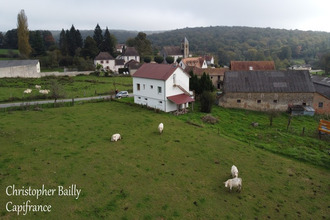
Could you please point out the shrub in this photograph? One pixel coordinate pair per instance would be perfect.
(206, 99)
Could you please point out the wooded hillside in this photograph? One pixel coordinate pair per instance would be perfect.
(246, 43)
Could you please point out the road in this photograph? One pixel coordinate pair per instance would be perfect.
(15, 104)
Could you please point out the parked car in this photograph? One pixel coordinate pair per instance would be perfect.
(121, 94)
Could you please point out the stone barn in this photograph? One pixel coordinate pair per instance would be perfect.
(267, 90)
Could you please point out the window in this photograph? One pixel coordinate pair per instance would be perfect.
(107, 61)
(259, 101)
(146, 99)
(144, 86)
(320, 104)
(238, 101)
(102, 61)
(139, 98)
(275, 101)
(138, 86)
(159, 89)
(304, 103)
(160, 102)
(151, 86)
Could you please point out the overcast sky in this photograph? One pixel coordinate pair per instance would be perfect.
(144, 15)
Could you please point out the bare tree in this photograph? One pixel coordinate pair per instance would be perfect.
(23, 35)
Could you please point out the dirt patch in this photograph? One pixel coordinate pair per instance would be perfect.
(210, 119)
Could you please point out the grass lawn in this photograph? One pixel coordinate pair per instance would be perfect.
(11, 89)
(176, 175)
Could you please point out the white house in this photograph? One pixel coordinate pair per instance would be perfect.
(162, 86)
(130, 53)
(106, 60)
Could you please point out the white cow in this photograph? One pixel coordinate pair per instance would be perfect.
(27, 91)
(161, 128)
(44, 91)
(234, 171)
(235, 182)
(38, 87)
(115, 137)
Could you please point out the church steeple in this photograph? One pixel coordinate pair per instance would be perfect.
(185, 48)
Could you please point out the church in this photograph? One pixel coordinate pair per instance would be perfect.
(176, 52)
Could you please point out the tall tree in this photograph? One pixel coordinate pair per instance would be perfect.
(109, 43)
(23, 35)
(37, 43)
(141, 44)
(10, 39)
(72, 41)
(90, 48)
(63, 43)
(98, 37)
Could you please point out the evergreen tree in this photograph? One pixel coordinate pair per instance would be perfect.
(23, 35)
(109, 43)
(37, 43)
(207, 100)
(63, 43)
(98, 37)
(72, 41)
(90, 48)
(10, 39)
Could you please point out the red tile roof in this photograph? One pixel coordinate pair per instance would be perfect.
(155, 71)
(180, 99)
(256, 65)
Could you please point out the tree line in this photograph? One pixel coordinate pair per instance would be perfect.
(285, 47)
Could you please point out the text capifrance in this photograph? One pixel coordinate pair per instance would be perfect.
(28, 206)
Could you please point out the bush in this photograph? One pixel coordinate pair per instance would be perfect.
(207, 99)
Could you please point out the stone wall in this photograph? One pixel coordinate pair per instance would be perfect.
(265, 101)
(323, 108)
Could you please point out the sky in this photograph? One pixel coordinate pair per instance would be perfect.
(143, 15)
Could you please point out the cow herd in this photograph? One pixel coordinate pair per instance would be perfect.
(235, 182)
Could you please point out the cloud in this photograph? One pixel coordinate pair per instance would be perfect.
(171, 14)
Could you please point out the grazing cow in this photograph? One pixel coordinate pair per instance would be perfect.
(234, 171)
(44, 91)
(161, 128)
(115, 137)
(38, 87)
(27, 91)
(235, 182)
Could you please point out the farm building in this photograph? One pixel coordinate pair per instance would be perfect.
(162, 86)
(321, 102)
(267, 90)
(216, 74)
(20, 68)
(251, 65)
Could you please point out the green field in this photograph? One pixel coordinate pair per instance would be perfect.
(176, 175)
(11, 89)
